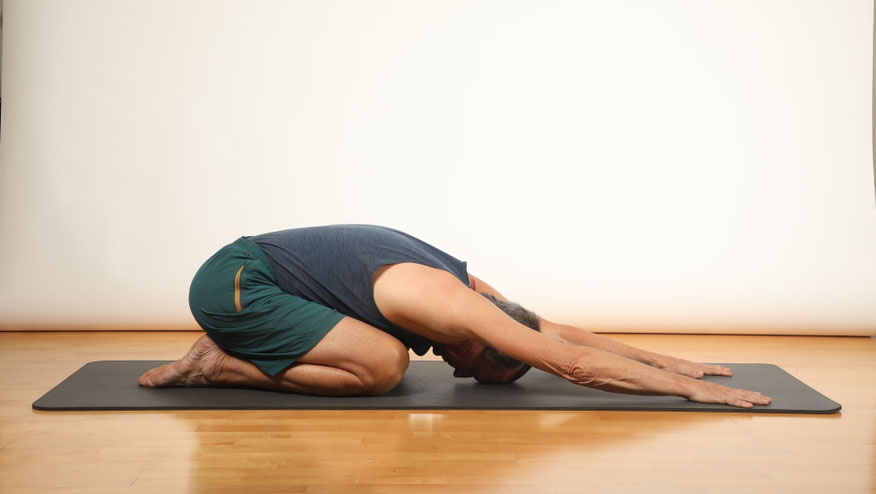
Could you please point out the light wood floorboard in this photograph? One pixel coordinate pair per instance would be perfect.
(438, 452)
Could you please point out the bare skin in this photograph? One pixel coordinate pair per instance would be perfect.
(433, 303)
(465, 358)
(355, 358)
(195, 369)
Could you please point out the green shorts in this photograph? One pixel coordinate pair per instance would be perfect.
(235, 298)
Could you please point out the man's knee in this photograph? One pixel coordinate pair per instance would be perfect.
(387, 369)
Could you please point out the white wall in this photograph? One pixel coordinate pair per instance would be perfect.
(672, 165)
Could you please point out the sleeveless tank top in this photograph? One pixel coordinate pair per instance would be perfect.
(333, 266)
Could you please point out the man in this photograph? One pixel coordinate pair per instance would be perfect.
(333, 310)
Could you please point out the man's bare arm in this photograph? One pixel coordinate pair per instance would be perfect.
(577, 336)
(589, 366)
(434, 304)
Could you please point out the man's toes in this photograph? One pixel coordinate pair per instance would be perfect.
(145, 379)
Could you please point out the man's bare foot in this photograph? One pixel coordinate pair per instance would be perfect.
(197, 368)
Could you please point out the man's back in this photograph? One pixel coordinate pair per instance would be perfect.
(333, 266)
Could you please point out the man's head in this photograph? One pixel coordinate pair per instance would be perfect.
(488, 365)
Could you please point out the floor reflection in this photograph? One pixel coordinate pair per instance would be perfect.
(292, 451)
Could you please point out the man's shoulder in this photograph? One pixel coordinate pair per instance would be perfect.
(420, 299)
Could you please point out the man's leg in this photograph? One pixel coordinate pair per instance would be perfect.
(354, 358)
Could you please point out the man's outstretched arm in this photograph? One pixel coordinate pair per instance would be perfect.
(590, 366)
(577, 336)
(436, 305)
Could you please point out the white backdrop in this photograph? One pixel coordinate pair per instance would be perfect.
(638, 165)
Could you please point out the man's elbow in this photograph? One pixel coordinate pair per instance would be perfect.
(585, 370)
(579, 372)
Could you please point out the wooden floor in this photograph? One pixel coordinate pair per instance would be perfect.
(439, 452)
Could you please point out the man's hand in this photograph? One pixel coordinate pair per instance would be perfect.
(707, 392)
(691, 369)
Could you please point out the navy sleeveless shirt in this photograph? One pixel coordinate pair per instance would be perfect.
(333, 266)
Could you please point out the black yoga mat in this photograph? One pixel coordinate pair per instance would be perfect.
(427, 385)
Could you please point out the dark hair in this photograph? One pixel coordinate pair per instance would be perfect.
(521, 315)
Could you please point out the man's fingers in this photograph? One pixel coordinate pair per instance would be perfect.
(694, 369)
(763, 400)
(708, 392)
(757, 398)
(751, 398)
(718, 370)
